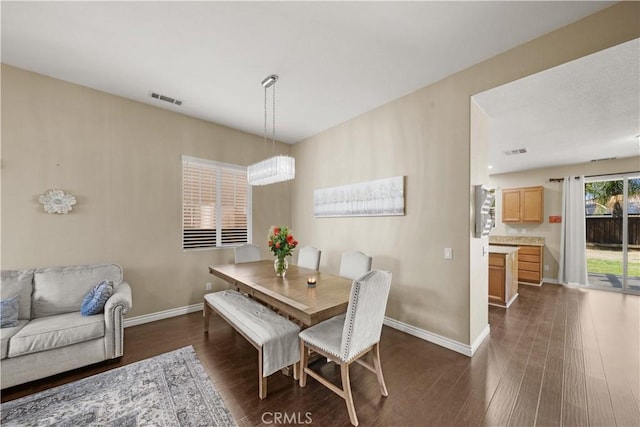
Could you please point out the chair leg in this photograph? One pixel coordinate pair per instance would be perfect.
(207, 316)
(262, 381)
(304, 356)
(378, 367)
(346, 388)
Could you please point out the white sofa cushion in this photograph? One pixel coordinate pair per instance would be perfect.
(6, 334)
(18, 282)
(58, 290)
(56, 331)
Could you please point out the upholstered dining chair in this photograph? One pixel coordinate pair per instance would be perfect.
(309, 257)
(247, 253)
(354, 264)
(344, 339)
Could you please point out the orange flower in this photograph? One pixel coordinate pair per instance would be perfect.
(281, 241)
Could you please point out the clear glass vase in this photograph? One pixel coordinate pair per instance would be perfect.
(280, 265)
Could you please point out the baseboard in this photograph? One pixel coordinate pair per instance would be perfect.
(476, 343)
(458, 347)
(552, 281)
(512, 300)
(508, 304)
(531, 284)
(159, 315)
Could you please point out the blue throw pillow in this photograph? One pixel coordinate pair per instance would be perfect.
(9, 312)
(97, 297)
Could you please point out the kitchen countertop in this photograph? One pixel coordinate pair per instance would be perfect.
(516, 240)
(506, 250)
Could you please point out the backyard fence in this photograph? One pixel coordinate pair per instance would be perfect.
(607, 230)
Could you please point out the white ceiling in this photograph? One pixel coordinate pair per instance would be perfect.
(336, 60)
(584, 110)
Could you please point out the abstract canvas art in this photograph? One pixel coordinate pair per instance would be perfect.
(380, 197)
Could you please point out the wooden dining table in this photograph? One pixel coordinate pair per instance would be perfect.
(290, 295)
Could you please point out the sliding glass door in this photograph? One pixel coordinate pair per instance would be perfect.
(612, 211)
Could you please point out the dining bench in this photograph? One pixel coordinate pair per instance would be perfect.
(275, 337)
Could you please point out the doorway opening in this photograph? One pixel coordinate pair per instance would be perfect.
(612, 221)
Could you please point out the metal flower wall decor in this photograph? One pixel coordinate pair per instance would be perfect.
(56, 201)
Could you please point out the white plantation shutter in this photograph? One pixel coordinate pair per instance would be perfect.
(233, 205)
(216, 204)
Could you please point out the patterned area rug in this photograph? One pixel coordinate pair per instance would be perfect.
(167, 390)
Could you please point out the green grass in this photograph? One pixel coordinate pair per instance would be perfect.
(607, 266)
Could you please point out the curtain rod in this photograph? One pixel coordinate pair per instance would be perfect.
(591, 176)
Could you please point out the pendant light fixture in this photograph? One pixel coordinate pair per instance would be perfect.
(277, 168)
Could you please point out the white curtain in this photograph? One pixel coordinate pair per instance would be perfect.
(573, 254)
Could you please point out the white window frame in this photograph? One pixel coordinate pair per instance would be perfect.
(219, 166)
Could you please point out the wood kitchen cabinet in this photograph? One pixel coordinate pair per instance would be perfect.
(530, 264)
(524, 204)
(503, 275)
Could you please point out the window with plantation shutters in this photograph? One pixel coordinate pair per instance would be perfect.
(216, 204)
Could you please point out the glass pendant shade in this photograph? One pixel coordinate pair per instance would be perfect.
(277, 168)
(274, 169)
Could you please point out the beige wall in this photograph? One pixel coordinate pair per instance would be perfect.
(122, 161)
(426, 137)
(479, 265)
(552, 201)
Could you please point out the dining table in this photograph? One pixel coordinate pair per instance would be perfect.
(290, 295)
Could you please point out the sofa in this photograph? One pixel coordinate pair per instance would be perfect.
(51, 335)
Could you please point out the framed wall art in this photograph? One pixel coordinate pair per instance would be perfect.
(381, 197)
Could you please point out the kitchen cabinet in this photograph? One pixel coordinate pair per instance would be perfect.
(503, 275)
(530, 260)
(530, 264)
(524, 204)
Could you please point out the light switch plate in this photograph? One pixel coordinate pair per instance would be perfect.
(448, 253)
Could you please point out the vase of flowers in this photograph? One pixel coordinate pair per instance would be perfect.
(281, 243)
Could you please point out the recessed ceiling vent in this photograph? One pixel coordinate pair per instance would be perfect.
(603, 159)
(166, 98)
(516, 151)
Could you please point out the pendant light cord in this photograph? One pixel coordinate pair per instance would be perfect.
(265, 121)
(274, 120)
(266, 83)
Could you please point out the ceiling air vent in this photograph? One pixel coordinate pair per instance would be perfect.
(166, 98)
(516, 151)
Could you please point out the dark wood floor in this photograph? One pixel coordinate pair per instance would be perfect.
(557, 356)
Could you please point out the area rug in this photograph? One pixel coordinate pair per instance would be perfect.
(167, 390)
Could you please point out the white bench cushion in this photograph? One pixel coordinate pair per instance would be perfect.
(277, 335)
(55, 331)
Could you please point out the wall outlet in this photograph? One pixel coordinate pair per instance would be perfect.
(546, 267)
(207, 286)
(524, 231)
